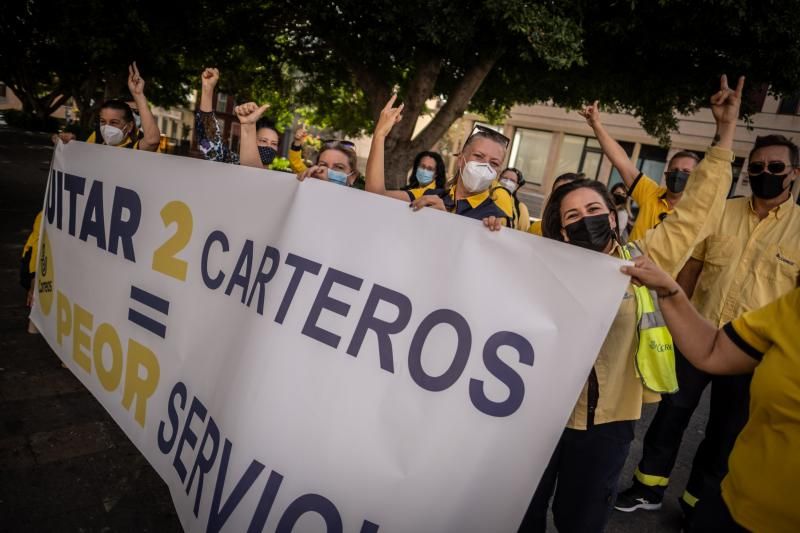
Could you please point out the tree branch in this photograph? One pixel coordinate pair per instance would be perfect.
(419, 90)
(457, 101)
(376, 90)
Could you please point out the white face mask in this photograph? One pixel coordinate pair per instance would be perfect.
(508, 184)
(112, 135)
(477, 176)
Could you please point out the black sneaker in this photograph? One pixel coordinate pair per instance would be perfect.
(632, 499)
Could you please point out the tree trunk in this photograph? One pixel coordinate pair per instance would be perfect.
(400, 148)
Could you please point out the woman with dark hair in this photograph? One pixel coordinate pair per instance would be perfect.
(512, 180)
(209, 133)
(116, 125)
(427, 173)
(619, 192)
(634, 363)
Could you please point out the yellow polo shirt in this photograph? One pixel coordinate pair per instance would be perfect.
(653, 205)
(761, 489)
(296, 162)
(747, 262)
(32, 243)
(536, 228)
(494, 201)
(416, 192)
(614, 392)
(523, 217)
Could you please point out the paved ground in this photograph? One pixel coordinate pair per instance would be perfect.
(64, 464)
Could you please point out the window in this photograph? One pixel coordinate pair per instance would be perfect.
(615, 175)
(652, 161)
(222, 103)
(788, 105)
(580, 154)
(529, 151)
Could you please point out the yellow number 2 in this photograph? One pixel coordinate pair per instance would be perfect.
(164, 259)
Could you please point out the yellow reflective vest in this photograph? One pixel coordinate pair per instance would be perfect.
(655, 353)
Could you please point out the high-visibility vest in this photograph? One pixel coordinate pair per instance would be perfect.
(655, 354)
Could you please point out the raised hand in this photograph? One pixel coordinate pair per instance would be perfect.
(389, 117)
(210, 77)
(300, 135)
(726, 102)
(135, 81)
(591, 113)
(250, 112)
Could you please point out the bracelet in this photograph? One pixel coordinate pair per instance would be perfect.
(670, 294)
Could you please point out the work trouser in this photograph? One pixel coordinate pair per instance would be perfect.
(583, 472)
(713, 516)
(730, 398)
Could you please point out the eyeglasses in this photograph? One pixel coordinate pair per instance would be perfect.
(774, 167)
(331, 142)
(492, 134)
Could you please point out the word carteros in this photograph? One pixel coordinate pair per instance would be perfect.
(245, 274)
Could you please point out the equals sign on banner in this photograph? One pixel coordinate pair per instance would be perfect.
(153, 302)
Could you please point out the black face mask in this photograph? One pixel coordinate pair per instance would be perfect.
(767, 185)
(593, 232)
(620, 199)
(676, 181)
(267, 154)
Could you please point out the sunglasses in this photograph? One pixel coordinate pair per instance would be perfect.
(774, 167)
(492, 134)
(331, 142)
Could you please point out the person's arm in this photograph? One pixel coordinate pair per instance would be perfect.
(616, 153)
(703, 202)
(296, 162)
(375, 178)
(687, 277)
(152, 135)
(248, 114)
(706, 347)
(209, 79)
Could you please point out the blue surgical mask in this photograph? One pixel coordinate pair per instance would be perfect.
(424, 176)
(337, 177)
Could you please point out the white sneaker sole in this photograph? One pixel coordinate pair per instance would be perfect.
(642, 506)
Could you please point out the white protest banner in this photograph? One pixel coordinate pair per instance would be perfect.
(307, 357)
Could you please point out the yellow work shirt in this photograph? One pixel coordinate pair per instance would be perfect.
(653, 205)
(416, 192)
(127, 143)
(747, 262)
(536, 228)
(614, 392)
(523, 217)
(494, 201)
(760, 489)
(31, 245)
(296, 162)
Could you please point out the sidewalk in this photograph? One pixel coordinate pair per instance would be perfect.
(64, 463)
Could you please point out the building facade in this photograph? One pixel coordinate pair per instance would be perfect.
(547, 141)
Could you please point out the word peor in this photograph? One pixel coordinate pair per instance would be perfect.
(241, 276)
(76, 321)
(171, 437)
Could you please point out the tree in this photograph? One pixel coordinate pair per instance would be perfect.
(647, 58)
